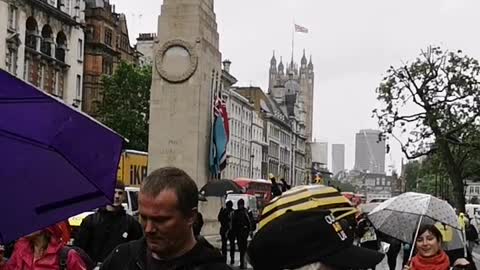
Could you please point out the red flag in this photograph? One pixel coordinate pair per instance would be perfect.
(225, 119)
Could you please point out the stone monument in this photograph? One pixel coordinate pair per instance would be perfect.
(186, 75)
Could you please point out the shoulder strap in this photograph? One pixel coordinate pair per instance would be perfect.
(63, 259)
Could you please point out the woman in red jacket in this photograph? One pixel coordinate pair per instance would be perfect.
(41, 251)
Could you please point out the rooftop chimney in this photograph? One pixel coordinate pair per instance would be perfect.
(226, 65)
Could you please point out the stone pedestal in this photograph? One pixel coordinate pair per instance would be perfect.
(186, 75)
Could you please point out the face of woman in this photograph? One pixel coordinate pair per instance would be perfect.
(428, 245)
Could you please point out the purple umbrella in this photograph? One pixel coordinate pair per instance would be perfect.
(55, 161)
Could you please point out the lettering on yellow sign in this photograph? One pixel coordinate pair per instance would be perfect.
(137, 174)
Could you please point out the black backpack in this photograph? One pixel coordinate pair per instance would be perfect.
(89, 263)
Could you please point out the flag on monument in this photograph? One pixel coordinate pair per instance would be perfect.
(300, 29)
(219, 140)
(223, 106)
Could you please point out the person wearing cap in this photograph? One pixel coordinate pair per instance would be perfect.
(109, 227)
(309, 239)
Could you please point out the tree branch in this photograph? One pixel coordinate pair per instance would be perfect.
(407, 154)
(464, 125)
(411, 118)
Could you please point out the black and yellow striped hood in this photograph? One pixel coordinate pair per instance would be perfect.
(308, 197)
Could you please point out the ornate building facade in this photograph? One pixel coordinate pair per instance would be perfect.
(292, 88)
(42, 42)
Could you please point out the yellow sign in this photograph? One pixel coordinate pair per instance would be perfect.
(132, 168)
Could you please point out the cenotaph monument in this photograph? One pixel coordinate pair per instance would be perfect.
(186, 75)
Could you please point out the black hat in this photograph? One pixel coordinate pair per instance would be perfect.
(120, 185)
(300, 238)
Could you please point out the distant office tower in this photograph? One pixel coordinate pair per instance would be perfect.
(369, 151)
(320, 152)
(338, 158)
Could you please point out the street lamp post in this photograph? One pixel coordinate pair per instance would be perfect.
(251, 165)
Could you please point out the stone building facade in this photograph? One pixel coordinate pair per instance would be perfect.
(283, 153)
(145, 45)
(107, 44)
(42, 42)
(245, 147)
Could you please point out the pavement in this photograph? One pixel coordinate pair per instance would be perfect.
(216, 241)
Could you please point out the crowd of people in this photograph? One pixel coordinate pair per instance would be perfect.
(167, 236)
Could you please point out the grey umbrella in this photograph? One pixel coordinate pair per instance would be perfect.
(401, 216)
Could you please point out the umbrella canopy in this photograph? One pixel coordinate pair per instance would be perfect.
(307, 197)
(56, 162)
(368, 207)
(399, 216)
(220, 188)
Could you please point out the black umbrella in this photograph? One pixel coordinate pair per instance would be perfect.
(220, 188)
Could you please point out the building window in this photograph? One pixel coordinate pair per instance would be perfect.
(56, 91)
(77, 8)
(26, 70)
(42, 76)
(108, 37)
(477, 190)
(80, 49)
(67, 6)
(12, 17)
(11, 60)
(79, 86)
(107, 66)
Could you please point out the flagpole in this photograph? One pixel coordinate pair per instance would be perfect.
(293, 38)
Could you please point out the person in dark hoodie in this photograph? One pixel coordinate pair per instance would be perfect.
(285, 185)
(276, 190)
(225, 219)
(168, 203)
(101, 232)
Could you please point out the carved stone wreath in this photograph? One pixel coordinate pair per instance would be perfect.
(164, 71)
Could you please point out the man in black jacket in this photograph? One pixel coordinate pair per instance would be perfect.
(101, 232)
(225, 219)
(168, 203)
(241, 228)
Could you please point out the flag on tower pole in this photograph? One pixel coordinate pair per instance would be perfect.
(301, 29)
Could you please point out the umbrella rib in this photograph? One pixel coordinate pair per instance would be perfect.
(23, 139)
(24, 100)
(59, 204)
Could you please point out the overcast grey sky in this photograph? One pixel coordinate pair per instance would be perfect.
(352, 43)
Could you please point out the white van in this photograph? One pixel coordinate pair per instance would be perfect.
(473, 211)
(131, 204)
(250, 202)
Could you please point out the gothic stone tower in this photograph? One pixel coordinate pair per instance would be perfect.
(304, 76)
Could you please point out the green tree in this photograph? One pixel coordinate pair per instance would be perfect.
(125, 103)
(433, 106)
(412, 173)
